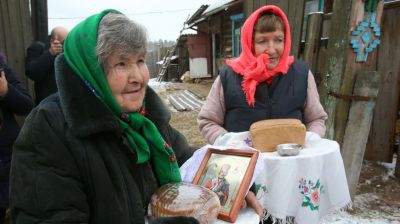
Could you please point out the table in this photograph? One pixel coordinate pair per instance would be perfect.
(305, 187)
(298, 189)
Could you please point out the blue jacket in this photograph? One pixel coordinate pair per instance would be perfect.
(16, 102)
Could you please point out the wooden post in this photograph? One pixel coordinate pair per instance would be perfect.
(341, 63)
(336, 57)
(356, 135)
(313, 37)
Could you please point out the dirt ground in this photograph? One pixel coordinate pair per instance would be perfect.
(378, 192)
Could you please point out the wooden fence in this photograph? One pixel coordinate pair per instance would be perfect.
(382, 132)
(16, 35)
(21, 23)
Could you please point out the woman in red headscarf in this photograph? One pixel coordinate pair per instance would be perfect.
(263, 83)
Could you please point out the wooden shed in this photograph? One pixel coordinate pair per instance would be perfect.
(219, 26)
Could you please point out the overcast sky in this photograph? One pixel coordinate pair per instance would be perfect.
(162, 18)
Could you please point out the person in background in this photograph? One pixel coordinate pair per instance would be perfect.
(14, 100)
(264, 82)
(39, 65)
(97, 150)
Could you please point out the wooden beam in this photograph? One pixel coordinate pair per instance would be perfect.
(295, 14)
(338, 43)
(357, 130)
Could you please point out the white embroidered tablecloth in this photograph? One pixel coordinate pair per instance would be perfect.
(305, 187)
(298, 189)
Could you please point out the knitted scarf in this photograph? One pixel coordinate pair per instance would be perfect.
(141, 133)
(254, 69)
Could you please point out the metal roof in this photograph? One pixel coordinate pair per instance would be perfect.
(203, 12)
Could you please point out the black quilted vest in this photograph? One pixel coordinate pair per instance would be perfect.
(284, 98)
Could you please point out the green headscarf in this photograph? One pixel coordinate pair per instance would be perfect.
(80, 53)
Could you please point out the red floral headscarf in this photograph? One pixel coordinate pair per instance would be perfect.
(254, 69)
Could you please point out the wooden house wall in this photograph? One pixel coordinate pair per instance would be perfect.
(219, 24)
(21, 22)
(199, 47)
(182, 51)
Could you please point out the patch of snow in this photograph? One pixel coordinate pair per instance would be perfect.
(216, 4)
(346, 218)
(390, 167)
(159, 86)
(384, 215)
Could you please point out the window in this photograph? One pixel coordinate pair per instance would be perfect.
(237, 22)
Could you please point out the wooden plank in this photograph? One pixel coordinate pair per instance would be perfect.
(357, 130)
(26, 23)
(14, 38)
(295, 14)
(17, 55)
(185, 102)
(192, 98)
(176, 103)
(322, 50)
(283, 4)
(397, 170)
(28, 39)
(6, 29)
(2, 28)
(41, 20)
(248, 8)
(381, 138)
(198, 95)
(313, 36)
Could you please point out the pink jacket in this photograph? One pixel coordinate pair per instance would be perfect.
(211, 116)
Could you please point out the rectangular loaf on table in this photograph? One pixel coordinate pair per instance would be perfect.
(267, 134)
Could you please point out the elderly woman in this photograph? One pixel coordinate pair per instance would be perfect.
(98, 149)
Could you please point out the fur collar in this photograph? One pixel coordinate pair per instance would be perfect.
(86, 115)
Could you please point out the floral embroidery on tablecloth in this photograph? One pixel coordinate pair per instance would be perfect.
(311, 193)
(261, 191)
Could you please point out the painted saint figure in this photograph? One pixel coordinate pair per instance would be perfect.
(220, 185)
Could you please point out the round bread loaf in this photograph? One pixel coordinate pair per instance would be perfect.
(185, 199)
